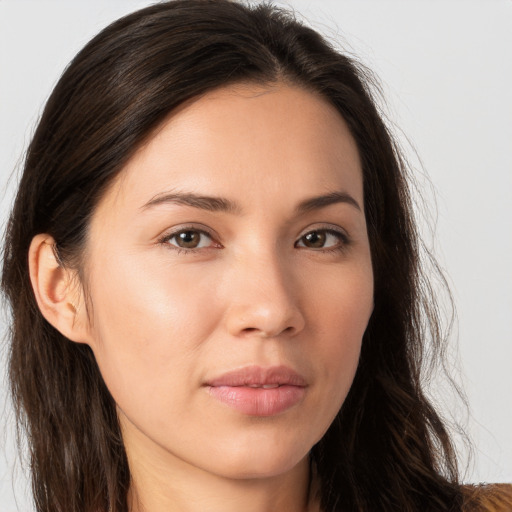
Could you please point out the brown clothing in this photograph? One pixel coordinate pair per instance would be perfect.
(488, 498)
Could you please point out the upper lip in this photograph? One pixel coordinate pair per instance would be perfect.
(259, 376)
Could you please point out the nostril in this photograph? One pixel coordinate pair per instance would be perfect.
(250, 330)
(262, 333)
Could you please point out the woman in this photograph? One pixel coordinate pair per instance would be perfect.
(213, 272)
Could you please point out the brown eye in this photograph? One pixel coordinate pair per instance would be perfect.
(315, 239)
(189, 239)
(323, 239)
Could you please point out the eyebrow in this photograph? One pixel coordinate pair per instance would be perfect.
(221, 204)
(209, 203)
(315, 203)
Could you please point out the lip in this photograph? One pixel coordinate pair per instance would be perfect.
(257, 391)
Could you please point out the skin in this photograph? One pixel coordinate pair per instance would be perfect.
(255, 291)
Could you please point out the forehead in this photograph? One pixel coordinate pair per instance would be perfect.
(250, 142)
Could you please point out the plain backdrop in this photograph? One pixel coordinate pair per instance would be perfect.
(446, 71)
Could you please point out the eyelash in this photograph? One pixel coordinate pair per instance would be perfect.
(342, 245)
(182, 250)
(344, 240)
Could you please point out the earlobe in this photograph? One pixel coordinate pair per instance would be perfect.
(57, 289)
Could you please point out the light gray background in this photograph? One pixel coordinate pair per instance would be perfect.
(446, 68)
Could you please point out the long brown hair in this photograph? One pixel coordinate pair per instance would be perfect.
(387, 449)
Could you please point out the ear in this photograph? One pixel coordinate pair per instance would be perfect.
(58, 290)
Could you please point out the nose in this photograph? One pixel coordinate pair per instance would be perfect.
(264, 299)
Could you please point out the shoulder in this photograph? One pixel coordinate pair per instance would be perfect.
(487, 498)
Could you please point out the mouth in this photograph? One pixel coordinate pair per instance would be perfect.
(257, 391)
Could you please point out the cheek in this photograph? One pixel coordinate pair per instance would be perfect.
(142, 296)
(342, 302)
(339, 316)
(149, 322)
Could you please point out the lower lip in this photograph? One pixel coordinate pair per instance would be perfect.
(258, 401)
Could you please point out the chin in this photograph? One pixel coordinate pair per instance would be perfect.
(261, 458)
(251, 469)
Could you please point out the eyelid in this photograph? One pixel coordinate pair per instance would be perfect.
(199, 228)
(333, 229)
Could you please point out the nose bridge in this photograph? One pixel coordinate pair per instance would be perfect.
(264, 299)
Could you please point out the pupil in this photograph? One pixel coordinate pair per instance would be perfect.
(315, 239)
(188, 239)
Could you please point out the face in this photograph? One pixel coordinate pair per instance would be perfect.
(229, 273)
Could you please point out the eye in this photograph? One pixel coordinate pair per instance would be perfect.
(323, 239)
(189, 239)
